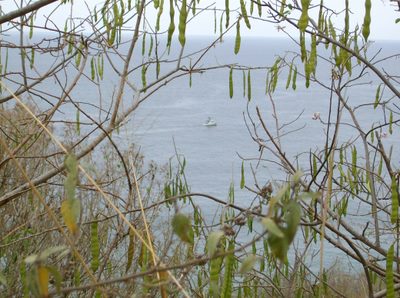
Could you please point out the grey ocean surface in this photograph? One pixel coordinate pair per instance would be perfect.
(178, 112)
(175, 115)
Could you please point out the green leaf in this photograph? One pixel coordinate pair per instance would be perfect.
(182, 227)
(212, 242)
(57, 276)
(389, 273)
(272, 227)
(292, 216)
(3, 279)
(248, 264)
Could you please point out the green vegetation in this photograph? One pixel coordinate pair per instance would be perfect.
(81, 215)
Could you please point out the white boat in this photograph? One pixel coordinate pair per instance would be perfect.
(210, 122)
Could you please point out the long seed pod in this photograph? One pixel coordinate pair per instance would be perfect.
(144, 44)
(231, 82)
(377, 96)
(227, 13)
(244, 14)
(151, 46)
(95, 246)
(303, 21)
(31, 27)
(182, 24)
(303, 50)
(346, 23)
(92, 69)
(394, 215)
(171, 27)
(144, 81)
(391, 122)
(313, 54)
(389, 273)
(32, 58)
(259, 8)
(283, 5)
(249, 85)
(244, 83)
(294, 78)
(238, 38)
(289, 76)
(226, 291)
(367, 20)
(159, 13)
(194, 8)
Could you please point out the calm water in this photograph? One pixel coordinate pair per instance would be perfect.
(175, 115)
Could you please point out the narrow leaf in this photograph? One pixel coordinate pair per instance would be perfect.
(272, 227)
(248, 264)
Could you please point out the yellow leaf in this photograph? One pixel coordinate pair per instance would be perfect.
(43, 278)
(70, 211)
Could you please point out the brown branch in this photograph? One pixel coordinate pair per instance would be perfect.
(24, 10)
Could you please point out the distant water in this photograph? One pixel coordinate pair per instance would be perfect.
(176, 113)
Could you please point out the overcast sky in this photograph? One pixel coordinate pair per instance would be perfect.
(383, 24)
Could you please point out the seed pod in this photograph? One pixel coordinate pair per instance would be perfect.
(248, 85)
(182, 24)
(160, 11)
(303, 21)
(294, 78)
(367, 20)
(289, 76)
(238, 39)
(227, 13)
(231, 83)
(244, 14)
(171, 27)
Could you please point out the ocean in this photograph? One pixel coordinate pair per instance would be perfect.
(171, 120)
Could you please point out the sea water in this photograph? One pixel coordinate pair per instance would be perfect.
(171, 120)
